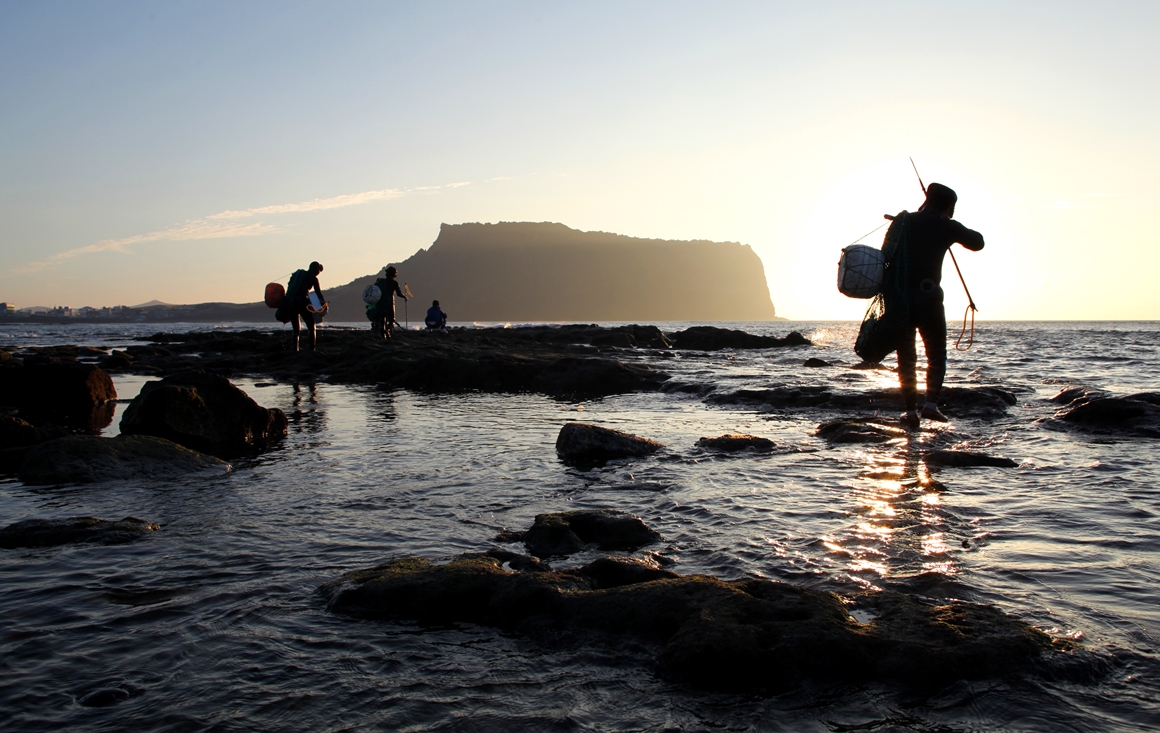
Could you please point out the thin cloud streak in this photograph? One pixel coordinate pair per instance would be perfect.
(335, 202)
(223, 224)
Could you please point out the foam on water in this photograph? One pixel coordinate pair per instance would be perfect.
(215, 622)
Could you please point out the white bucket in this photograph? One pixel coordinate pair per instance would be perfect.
(372, 294)
(860, 271)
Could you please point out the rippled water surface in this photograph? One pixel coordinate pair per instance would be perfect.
(214, 623)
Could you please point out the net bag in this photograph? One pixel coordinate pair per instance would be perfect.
(372, 294)
(883, 329)
(860, 271)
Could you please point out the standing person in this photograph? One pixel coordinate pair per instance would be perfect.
(382, 314)
(929, 233)
(376, 312)
(296, 304)
(436, 318)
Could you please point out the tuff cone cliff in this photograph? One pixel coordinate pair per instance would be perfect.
(549, 272)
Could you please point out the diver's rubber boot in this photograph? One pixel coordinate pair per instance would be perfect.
(931, 412)
(909, 420)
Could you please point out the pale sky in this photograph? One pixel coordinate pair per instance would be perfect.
(194, 151)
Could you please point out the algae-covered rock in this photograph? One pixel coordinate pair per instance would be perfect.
(745, 635)
(568, 532)
(964, 459)
(583, 442)
(736, 442)
(52, 532)
(89, 458)
(204, 412)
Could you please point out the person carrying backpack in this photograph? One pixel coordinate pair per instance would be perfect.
(296, 303)
(930, 233)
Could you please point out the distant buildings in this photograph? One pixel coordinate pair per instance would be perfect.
(7, 309)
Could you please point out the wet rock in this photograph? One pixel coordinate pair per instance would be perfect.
(736, 442)
(55, 390)
(588, 378)
(1068, 395)
(814, 363)
(204, 412)
(89, 458)
(964, 459)
(688, 388)
(53, 532)
(1134, 415)
(581, 442)
(614, 572)
(979, 402)
(17, 433)
(745, 635)
(645, 337)
(105, 697)
(711, 338)
(956, 402)
(803, 396)
(117, 360)
(859, 430)
(568, 532)
(516, 561)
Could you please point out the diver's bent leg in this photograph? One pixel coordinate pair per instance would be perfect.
(297, 330)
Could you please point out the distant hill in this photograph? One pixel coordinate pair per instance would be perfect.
(540, 272)
(550, 272)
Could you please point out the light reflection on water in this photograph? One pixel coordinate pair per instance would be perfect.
(218, 613)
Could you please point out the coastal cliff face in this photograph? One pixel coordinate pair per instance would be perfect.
(549, 272)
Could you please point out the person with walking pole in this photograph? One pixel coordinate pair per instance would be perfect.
(929, 234)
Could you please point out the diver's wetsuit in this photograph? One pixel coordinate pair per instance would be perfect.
(299, 298)
(382, 314)
(929, 236)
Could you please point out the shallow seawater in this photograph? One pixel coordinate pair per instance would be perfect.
(214, 623)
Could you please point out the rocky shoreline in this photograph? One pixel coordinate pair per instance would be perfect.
(748, 635)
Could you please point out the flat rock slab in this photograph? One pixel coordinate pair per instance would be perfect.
(52, 532)
(965, 459)
(736, 442)
(568, 532)
(560, 361)
(859, 430)
(711, 338)
(1136, 415)
(744, 635)
(582, 442)
(90, 458)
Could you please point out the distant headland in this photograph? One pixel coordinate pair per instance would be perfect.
(535, 272)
